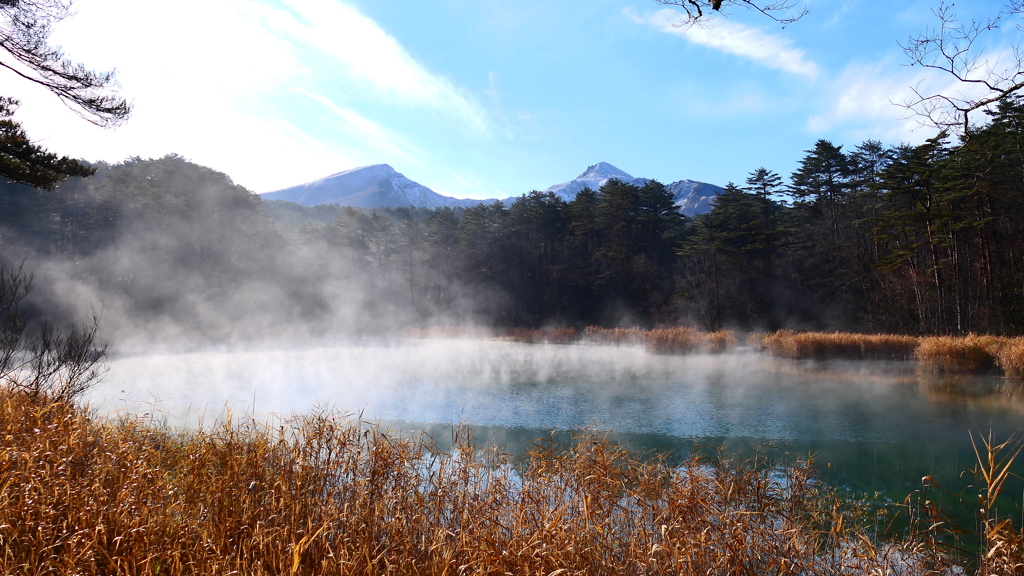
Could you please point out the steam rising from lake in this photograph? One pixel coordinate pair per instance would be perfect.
(491, 383)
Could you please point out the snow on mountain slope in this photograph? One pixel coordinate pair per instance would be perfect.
(691, 197)
(594, 177)
(380, 186)
(376, 186)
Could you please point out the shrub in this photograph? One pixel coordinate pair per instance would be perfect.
(36, 357)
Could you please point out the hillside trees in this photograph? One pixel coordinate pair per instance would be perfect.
(733, 252)
(821, 190)
(916, 239)
(538, 227)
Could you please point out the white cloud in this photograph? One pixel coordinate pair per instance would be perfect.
(227, 83)
(370, 56)
(736, 39)
(869, 101)
(368, 132)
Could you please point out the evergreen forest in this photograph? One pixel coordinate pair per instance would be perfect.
(923, 239)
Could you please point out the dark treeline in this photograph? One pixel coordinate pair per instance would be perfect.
(915, 239)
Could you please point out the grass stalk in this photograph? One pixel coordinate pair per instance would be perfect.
(322, 494)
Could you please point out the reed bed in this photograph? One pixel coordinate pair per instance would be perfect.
(320, 494)
(1010, 358)
(542, 335)
(970, 354)
(450, 332)
(839, 345)
(686, 340)
(680, 340)
(613, 336)
(960, 354)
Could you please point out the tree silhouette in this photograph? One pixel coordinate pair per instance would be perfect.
(25, 27)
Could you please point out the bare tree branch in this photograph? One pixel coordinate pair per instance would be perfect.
(35, 357)
(953, 47)
(782, 11)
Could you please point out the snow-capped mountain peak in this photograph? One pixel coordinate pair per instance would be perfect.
(594, 177)
(604, 171)
(374, 186)
(380, 185)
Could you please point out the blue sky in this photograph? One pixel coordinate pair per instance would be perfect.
(488, 98)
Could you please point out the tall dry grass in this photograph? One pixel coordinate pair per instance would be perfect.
(542, 335)
(960, 354)
(319, 494)
(839, 345)
(450, 332)
(679, 340)
(613, 336)
(968, 354)
(1010, 358)
(685, 340)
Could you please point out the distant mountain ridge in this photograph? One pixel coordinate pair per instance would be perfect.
(375, 186)
(381, 186)
(690, 196)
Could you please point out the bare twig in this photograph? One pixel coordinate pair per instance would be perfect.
(954, 48)
(784, 12)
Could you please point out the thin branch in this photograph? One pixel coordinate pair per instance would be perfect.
(782, 11)
(24, 35)
(951, 47)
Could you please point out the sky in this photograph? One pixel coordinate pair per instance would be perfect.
(488, 98)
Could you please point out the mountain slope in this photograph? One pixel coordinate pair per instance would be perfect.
(380, 186)
(693, 197)
(594, 177)
(690, 196)
(376, 186)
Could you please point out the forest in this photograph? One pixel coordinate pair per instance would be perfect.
(909, 239)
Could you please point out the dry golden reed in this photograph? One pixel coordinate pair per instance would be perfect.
(685, 340)
(450, 332)
(1010, 358)
(613, 336)
(960, 354)
(839, 345)
(968, 354)
(319, 494)
(542, 335)
(680, 340)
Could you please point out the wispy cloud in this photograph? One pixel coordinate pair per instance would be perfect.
(734, 38)
(869, 101)
(368, 132)
(236, 95)
(369, 57)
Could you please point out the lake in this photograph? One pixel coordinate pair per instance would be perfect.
(872, 426)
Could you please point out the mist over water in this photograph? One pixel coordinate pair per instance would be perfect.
(858, 415)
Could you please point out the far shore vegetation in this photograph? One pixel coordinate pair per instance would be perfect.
(969, 354)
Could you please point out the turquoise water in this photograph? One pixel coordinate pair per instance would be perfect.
(871, 426)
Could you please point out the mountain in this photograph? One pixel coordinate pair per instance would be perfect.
(376, 186)
(690, 196)
(380, 186)
(693, 197)
(594, 177)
